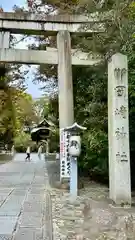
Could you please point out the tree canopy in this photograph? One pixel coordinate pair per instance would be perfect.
(16, 106)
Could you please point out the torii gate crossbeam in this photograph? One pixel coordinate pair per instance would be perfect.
(26, 23)
(43, 57)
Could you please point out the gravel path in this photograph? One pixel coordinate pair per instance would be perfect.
(92, 216)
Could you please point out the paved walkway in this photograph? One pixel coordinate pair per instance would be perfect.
(25, 206)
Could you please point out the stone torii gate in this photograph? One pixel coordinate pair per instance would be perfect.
(64, 57)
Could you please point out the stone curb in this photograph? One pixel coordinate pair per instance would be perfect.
(48, 233)
(48, 222)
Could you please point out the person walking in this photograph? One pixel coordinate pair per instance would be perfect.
(40, 151)
(13, 150)
(57, 156)
(6, 148)
(28, 154)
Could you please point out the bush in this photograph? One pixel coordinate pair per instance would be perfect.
(54, 141)
(21, 142)
(93, 161)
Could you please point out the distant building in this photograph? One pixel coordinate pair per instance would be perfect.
(42, 130)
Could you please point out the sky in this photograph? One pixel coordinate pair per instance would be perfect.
(33, 89)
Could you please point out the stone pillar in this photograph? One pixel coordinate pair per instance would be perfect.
(4, 43)
(118, 130)
(66, 108)
(4, 39)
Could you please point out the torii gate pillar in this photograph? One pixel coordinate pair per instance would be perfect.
(4, 39)
(4, 43)
(66, 108)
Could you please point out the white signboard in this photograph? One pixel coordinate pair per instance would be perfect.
(64, 155)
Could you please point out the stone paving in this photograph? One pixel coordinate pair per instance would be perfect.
(25, 200)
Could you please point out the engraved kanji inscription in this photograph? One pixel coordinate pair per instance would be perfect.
(123, 75)
(124, 157)
(118, 156)
(120, 133)
(117, 73)
(120, 91)
(121, 157)
(120, 75)
(122, 111)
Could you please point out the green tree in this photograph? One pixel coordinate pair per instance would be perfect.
(22, 141)
(16, 107)
(25, 111)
